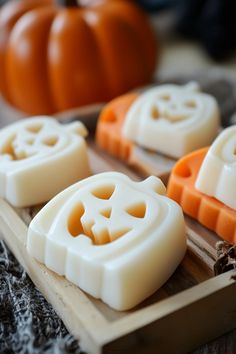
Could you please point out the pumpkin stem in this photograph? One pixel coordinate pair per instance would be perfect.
(68, 3)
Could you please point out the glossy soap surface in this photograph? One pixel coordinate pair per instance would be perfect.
(173, 120)
(53, 58)
(116, 239)
(39, 157)
(217, 175)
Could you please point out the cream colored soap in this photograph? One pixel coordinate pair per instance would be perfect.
(116, 239)
(39, 157)
(173, 120)
(217, 176)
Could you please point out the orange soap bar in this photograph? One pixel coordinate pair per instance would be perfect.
(109, 128)
(207, 210)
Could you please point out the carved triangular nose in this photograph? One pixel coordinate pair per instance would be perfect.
(106, 213)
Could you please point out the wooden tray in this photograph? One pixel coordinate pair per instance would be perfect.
(192, 308)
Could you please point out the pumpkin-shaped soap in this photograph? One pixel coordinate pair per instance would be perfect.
(204, 184)
(39, 157)
(117, 239)
(55, 57)
(169, 119)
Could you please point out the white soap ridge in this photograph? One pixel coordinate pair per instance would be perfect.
(217, 175)
(122, 273)
(39, 157)
(173, 120)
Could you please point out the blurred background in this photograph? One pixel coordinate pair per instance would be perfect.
(195, 34)
(197, 40)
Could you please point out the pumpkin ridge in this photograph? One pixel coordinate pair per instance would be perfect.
(121, 49)
(135, 44)
(103, 68)
(109, 55)
(77, 45)
(133, 16)
(28, 75)
(9, 16)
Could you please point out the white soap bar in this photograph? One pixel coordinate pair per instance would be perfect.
(173, 120)
(39, 157)
(116, 239)
(217, 175)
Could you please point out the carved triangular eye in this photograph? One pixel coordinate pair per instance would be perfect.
(34, 128)
(104, 192)
(137, 210)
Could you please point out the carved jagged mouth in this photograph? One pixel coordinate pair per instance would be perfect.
(172, 118)
(79, 224)
(174, 115)
(177, 118)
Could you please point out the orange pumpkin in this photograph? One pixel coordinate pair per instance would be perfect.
(54, 57)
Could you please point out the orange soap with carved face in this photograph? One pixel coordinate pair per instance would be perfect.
(204, 184)
(56, 56)
(167, 119)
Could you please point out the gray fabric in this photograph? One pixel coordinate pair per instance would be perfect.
(28, 324)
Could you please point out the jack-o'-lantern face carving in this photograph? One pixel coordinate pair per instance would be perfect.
(32, 140)
(172, 119)
(35, 159)
(110, 216)
(174, 105)
(106, 231)
(100, 222)
(36, 137)
(217, 176)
